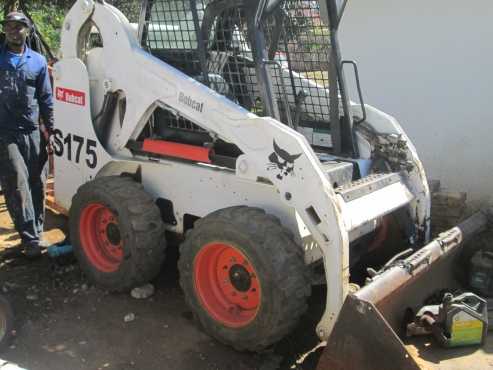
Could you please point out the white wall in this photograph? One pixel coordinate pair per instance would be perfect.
(430, 65)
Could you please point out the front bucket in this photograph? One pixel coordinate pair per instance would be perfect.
(363, 340)
(366, 335)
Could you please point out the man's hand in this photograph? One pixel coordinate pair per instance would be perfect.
(47, 134)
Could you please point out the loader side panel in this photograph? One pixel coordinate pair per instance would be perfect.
(199, 190)
(78, 154)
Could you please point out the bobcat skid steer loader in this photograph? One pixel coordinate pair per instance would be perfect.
(228, 121)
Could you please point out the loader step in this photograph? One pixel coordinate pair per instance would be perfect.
(366, 185)
(372, 197)
(50, 201)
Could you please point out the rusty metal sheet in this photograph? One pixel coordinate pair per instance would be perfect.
(363, 340)
(365, 336)
(405, 286)
(411, 296)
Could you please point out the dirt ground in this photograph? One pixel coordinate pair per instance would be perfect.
(62, 322)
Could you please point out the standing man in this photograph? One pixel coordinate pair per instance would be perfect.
(25, 95)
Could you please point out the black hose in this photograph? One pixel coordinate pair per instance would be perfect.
(398, 256)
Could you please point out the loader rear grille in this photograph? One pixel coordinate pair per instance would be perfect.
(171, 120)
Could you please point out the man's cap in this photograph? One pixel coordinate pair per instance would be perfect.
(17, 17)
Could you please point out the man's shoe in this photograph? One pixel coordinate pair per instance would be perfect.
(32, 251)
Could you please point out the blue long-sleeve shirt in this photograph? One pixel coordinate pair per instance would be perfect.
(25, 91)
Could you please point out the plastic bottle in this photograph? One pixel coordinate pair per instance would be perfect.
(56, 251)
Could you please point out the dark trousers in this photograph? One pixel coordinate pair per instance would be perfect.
(23, 173)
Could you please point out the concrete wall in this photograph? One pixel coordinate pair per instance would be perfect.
(430, 65)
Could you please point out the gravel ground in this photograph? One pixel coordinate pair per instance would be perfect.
(62, 322)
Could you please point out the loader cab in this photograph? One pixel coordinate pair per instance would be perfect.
(273, 58)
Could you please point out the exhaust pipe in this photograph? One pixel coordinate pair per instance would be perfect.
(365, 336)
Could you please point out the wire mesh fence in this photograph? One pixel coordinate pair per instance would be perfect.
(300, 42)
(213, 41)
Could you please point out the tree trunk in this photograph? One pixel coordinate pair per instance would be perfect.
(9, 6)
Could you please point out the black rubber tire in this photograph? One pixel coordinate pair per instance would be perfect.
(280, 269)
(141, 229)
(6, 323)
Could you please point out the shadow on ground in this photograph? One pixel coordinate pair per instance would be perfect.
(62, 322)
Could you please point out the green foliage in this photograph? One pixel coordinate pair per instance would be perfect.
(48, 20)
(48, 17)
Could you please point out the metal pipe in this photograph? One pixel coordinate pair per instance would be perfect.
(200, 44)
(144, 7)
(347, 136)
(402, 272)
(283, 92)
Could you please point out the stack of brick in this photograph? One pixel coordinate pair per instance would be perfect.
(447, 209)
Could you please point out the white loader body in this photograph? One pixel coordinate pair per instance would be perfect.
(322, 219)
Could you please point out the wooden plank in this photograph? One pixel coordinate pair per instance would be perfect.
(50, 201)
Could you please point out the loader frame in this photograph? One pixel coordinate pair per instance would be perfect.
(304, 198)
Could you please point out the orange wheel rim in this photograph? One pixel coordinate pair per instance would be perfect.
(227, 284)
(100, 237)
